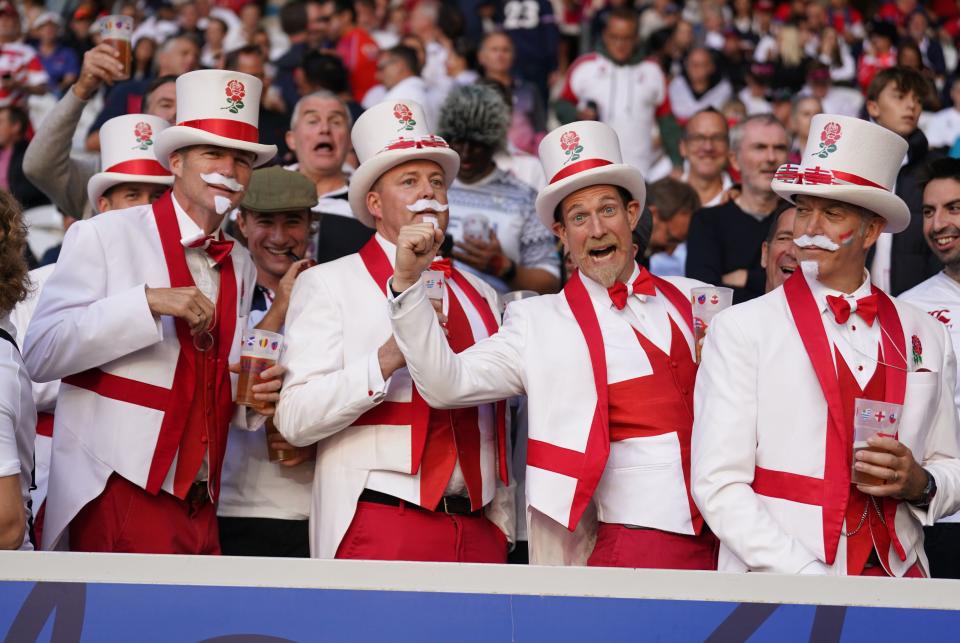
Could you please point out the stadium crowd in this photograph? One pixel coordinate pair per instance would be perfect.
(480, 231)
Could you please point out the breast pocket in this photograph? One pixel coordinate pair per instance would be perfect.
(919, 407)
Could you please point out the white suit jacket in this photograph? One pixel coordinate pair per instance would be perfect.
(335, 326)
(758, 403)
(540, 351)
(93, 313)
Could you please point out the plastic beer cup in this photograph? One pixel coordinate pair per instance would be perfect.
(260, 349)
(707, 301)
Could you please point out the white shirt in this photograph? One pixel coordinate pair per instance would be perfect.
(857, 342)
(939, 297)
(253, 487)
(18, 419)
(943, 128)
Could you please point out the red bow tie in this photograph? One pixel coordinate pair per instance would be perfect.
(444, 266)
(866, 307)
(218, 249)
(642, 285)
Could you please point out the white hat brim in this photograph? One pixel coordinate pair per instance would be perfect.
(622, 175)
(879, 201)
(371, 170)
(178, 137)
(102, 181)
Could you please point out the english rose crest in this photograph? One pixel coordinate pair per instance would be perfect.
(144, 135)
(235, 92)
(404, 116)
(828, 140)
(570, 144)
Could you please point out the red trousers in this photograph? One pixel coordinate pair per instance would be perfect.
(382, 532)
(127, 519)
(913, 572)
(619, 546)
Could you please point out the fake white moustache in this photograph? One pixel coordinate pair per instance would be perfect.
(817, 241)
(223, 181)
(427, 204)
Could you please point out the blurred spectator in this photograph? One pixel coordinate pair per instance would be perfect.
(802, 109)
(78, 34)
(47, 161)
(834, 53)
(18, 419)
(943, 129)
(785, 51)
(847, 21)
(512, 158)
(175, 57)
(307, 25)
(918, 30)
(879, 53)
(13, 144)
(700, 86)
(59, 61)
(777, 255)
(834, 100)
(900, 261)
(493, 222)
(371, 17)
(615, 85)
(895, 12)
(757, 91)
(272, 123)
(425, 25)
(399, 74)
(705, 148)
(496, 58)
(323, 71)
(658, 15)
(671, 204)
(355, 46)
(21, 72)
(144, 50)
(320, 138)
(214, 37)
(532, 26)
(724, 243)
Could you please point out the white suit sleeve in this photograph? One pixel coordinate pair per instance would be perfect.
(489, 371)
(942, 451)
(77, 325)
(724, 447)
(322, 393)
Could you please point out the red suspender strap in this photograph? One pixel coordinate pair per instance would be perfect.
(490, 323)
(45, 424)
(836, 484)
(676, 297)
(378, 265)
(586, 467)
(894, 355)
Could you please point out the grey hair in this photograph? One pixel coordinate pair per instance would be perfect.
(798, 100)
(170, 42)
(736, 134)
(475, 113)
(321, 94)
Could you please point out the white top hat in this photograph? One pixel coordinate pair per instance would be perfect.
(579, 155)
(127, 154)
(387, 135)
(849, 160)
(216, 108)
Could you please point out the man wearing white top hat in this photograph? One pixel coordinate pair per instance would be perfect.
(784, 375)
(140, 320)
(607, 366)
(394, 478)
(132, 177)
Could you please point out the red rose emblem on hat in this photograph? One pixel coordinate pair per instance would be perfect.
(235, 92)
(570, 144)
(404, 116)
(828, 139)
(144, 135)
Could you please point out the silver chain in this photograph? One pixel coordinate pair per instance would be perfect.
(863, 517)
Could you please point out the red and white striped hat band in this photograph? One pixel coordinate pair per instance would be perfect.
(578, 167)
(236, 130)
(142, 167)
(791, 173)
(416, 143)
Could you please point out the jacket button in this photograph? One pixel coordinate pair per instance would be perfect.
(673, 364)
(370, 393)
(204, 439)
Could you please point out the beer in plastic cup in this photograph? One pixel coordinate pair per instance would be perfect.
(117, 31)
(260, 349)
(476, 226)
(276, 455)
(872, 418)
(707, 302)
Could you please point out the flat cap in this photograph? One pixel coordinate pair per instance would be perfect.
(274, 189)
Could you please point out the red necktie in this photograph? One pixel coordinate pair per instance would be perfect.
(218, 249)
(866, 308)
(444, 266)
(642, 285)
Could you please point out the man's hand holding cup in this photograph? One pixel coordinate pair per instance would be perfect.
(417, 246)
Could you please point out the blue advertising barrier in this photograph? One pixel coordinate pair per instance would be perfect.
(101, 597)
